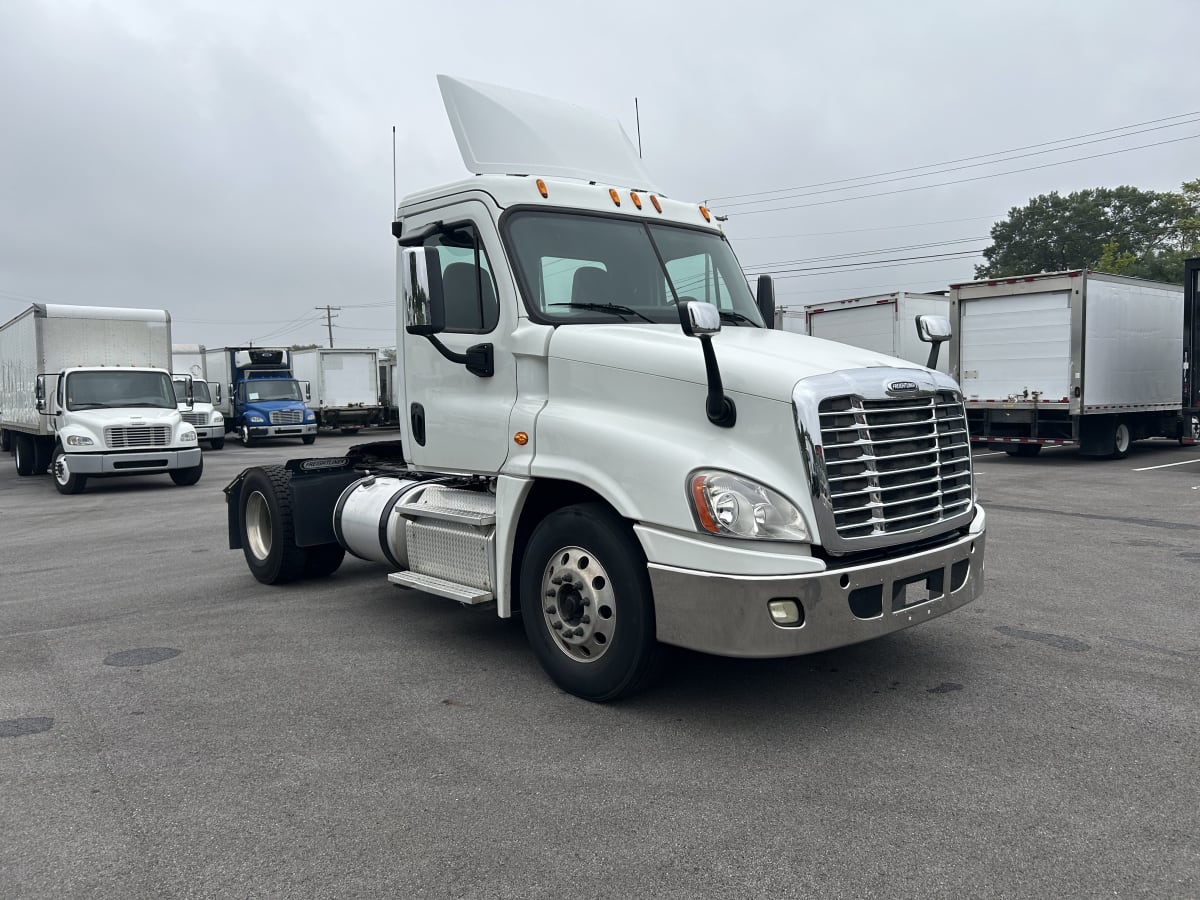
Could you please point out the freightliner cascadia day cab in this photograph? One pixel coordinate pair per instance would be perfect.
(1074, 359)
(86, 392)
(343, 386)
(881, 322)
(262, 397)
(600, 432)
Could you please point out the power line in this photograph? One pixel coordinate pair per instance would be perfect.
(949, 162)
(772, 237)
(923, 187)
(812, 259)
(868, 265)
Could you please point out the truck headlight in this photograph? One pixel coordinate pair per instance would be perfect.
(255, 418)
(188, 436)
(79, 440)
(310, 416)
(732, 506)
(217, 418)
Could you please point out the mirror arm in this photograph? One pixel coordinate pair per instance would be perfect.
(718, 406)
(933, 355)
(479, 358)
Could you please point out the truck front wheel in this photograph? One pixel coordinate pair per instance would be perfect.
(268, 531)
(23, 453)
(66, 481)
(586, 603)
(186, 477)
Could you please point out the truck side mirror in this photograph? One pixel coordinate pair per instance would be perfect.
(703, 320)
(765, 300)
(215, 388)
(39, 393)
(421, 291)
(933, 330)
(307, 391)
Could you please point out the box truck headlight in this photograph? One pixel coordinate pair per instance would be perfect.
(217, 418)
(188, 436)
(732, 506)
(310, 416)
(79, 440)
(254, 417)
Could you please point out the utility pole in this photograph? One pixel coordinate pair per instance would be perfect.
(329, 317)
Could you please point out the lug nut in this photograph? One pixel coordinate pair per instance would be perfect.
(586, 601)
(578, 632)
(557, 579)
(551, 593)
(551, 610)
(585, 620)
(556, 625)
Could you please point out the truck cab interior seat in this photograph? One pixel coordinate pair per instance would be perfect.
(591, 284)
(466, 310)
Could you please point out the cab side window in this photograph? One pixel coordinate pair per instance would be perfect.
(467, 283)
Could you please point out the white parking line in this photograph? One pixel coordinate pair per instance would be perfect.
(1186, 462)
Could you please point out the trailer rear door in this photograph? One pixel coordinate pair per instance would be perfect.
(872, 327)
(1013, 344)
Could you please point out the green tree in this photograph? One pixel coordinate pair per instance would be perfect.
(1123, 230)
(305, 347)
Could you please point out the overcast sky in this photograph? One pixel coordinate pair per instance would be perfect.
(232, 163)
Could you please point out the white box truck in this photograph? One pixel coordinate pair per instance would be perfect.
(343, 386)
(188, 370)
(881, 322)
(584, 441)
(86, 391)
(1076, 359)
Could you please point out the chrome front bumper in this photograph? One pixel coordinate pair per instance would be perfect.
(271, 431)
(729, 615)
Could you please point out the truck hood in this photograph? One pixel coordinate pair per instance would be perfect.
(755, 361)
(105, 418)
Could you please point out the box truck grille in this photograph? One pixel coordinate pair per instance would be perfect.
(286, 417)
(195, 418)
(126, 437)
(897, 464)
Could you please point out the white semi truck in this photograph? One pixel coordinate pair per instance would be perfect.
(188, 365)
(601, 432)
(881, 322)
(342, 386)
(1071, 359)
(86, 391)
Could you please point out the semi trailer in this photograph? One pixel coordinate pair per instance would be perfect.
(86, 392)
(601, 433)
(882, 322)
(343, 386)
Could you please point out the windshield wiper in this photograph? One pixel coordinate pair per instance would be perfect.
(728, 315)
(613, 308)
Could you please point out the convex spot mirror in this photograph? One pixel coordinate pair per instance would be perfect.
(698, 317)
(933, 329)
(421, 291)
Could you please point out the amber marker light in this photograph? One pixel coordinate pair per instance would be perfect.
(700, 501)
(616, 198)
(657, 205)
(520, 439)
(637, 201)
(704, 212)
(541, 186)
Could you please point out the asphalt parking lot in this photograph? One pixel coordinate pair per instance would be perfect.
(169, 727)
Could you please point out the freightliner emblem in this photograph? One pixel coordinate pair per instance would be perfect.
(902, 387)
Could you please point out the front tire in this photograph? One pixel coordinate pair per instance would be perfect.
(66, 481)
(266, 526)
(217, 443)
(586, 603)
(188, 477)
(245, 436)
(308, 438)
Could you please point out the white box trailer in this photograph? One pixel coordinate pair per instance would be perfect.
(1075, 358)
(86, 391)
(791, 319)
(885, 323)
(343, 386)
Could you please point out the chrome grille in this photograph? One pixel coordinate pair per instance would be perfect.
(124, 437)
(896, 464)
(195, 418)
(286, 417)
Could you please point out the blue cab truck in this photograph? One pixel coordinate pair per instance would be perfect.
(262, 398)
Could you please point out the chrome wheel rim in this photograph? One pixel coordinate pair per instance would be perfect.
(258, 525)
(62, 473)
(1122, 441)
(578, 604)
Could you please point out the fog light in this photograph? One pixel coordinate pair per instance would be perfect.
(786, 612)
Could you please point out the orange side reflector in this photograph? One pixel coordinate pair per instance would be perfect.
(520, 439)
(657, 205)
(541, 186)
(700, 501)
(637, 201)
(616, 198)
(704, 212)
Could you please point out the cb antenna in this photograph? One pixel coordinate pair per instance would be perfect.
(638, 118)
(393, 172)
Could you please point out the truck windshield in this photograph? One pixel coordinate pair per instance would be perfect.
(582, 268)
(270, 389)
(200, 392)
(116, 389)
